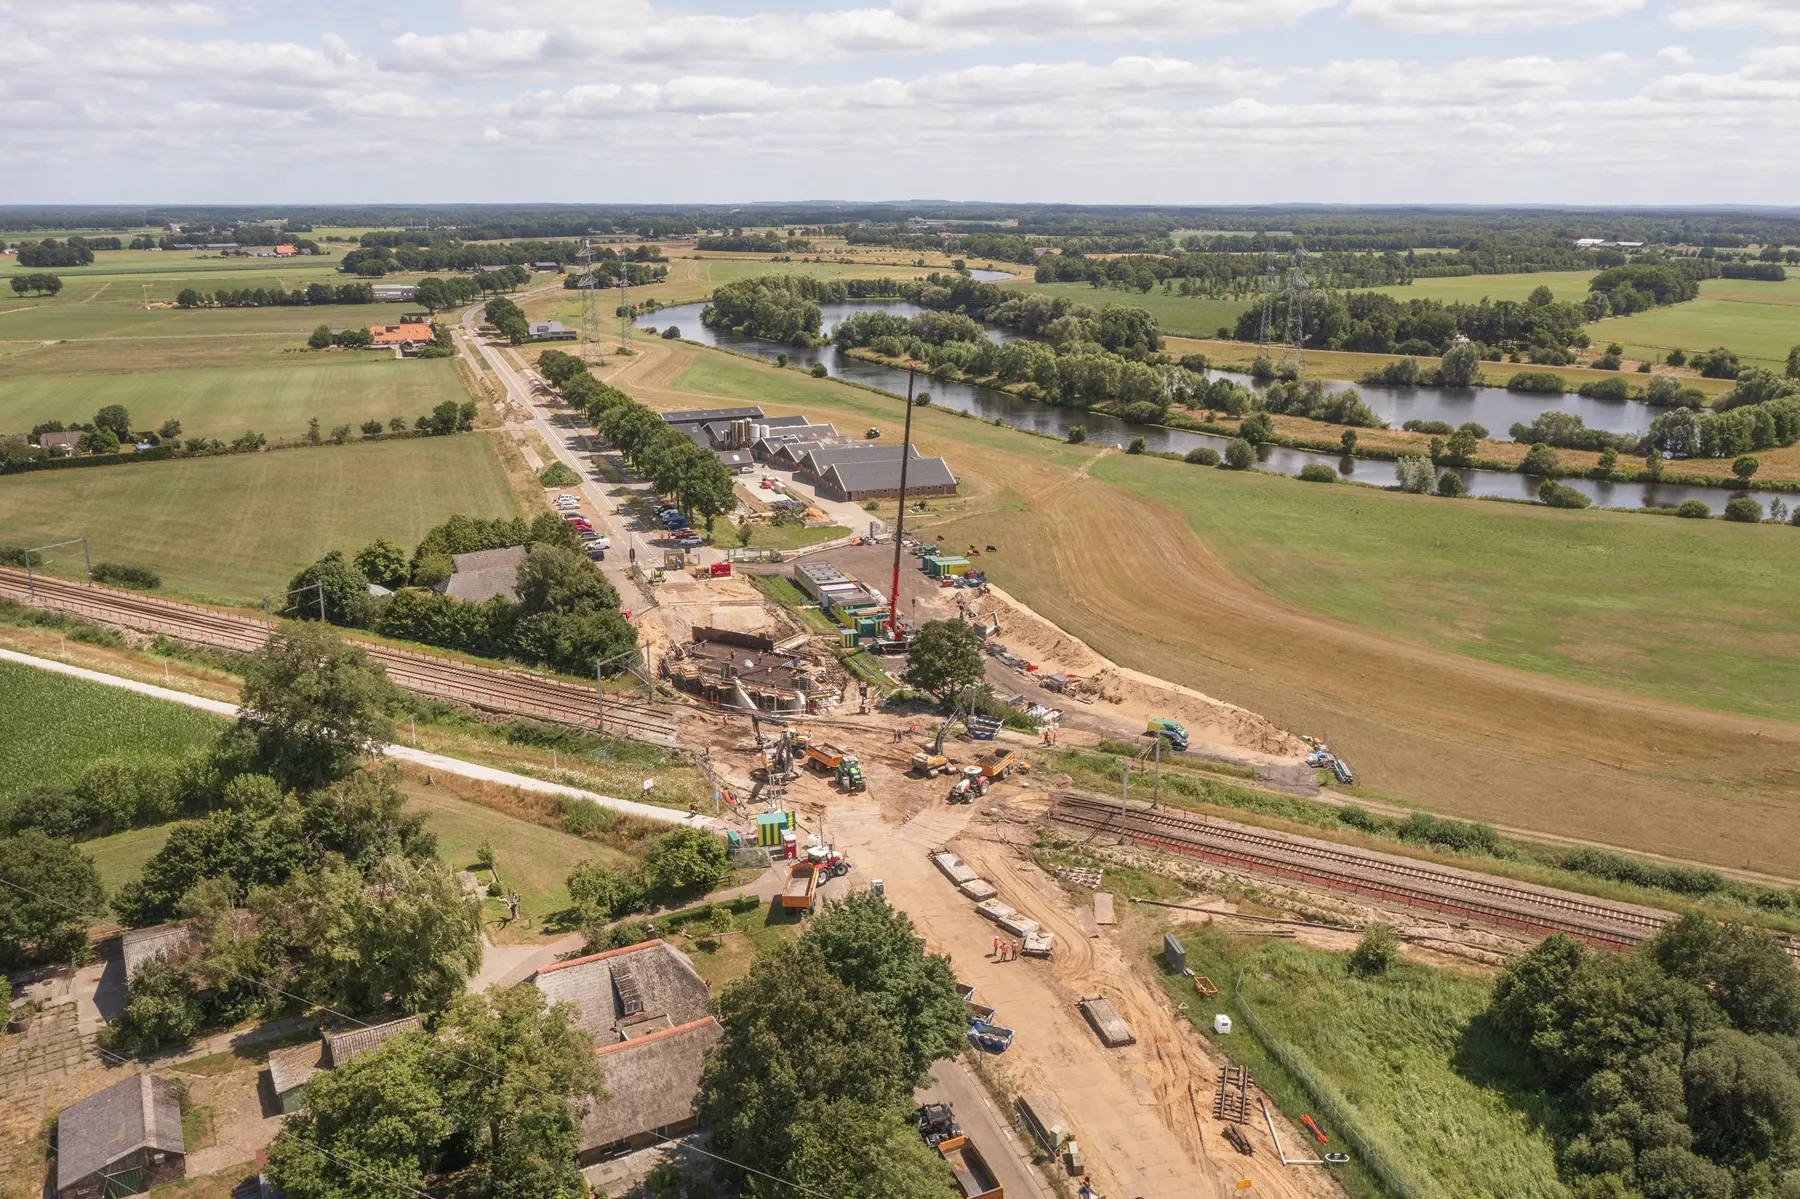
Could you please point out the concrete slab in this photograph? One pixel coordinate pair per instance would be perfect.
(993, 909)
(980, 890)
(1107, 1024)
(954, 868)
(1103, 908)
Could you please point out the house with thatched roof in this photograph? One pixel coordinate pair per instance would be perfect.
(290, 1069)
(651, 1016)
(122, 1141)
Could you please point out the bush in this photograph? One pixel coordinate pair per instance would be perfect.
(1744, 510)
(1136, 446)
(1557, 496)
(1077, 434)
(1414, 473)
(1376, 952)
(672, 333)
(1540, 459)
(1694, 510)
(1428, 426)
(1536, 383)
(819, 371)
(558, 474)
(1240, 454)
(1202, 457)
(120, 574)
(1318, 472)
(1450, 485)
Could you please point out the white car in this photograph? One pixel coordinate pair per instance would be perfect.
(567, 501)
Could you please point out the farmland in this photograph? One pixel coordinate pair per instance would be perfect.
(1407, 1051)
(1761, 321)
(52, 727)
(1409, 645)
(238, 526)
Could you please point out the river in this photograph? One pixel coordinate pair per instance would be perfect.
(1490, 406)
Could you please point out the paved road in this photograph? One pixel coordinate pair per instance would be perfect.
(985, 1125)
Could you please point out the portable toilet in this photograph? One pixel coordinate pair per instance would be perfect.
(770, 826)
(1222, 1024)
(847, 638)
(790, 846)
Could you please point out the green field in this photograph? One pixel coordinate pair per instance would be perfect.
(1408, 1053)
(275, 399)
(1761, 321)
(121, 857)
(52, 727)
(1699, 612)
(1183, 316)
(238, 526)
(1471, 289)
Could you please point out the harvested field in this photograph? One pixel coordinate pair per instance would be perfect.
(1148, 563)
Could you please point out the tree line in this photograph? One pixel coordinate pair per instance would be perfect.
(566, 617)
(75, 251)
(42, 285)
(767, 242)
(692, 477)
(277, 297)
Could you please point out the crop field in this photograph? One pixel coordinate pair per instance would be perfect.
(52, 727)
(1471, 289)
(276, 400)
(1761, 321)
(1406, 645)
(1408, 1052)
(694, 277)
(237, 526)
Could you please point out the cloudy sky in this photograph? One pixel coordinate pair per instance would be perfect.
(1097, 101)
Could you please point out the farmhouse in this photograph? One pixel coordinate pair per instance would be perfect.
(60, 443)
(122, 1141)
(395, 292)
(650, 1013)
(413, 333)
(484, 574)
(290, 1069)
(551, 331)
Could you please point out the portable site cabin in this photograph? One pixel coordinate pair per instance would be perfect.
(941, 566)
(770, 826)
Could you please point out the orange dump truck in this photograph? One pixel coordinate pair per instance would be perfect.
(801, 888)
(825, 756)
(997, 763)
(974, 1177)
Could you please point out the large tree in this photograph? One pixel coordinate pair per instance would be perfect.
(415, 937)
(48, 890)
(314, 706)
(871, 947)
(944, 658)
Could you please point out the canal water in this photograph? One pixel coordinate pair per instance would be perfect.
(1491, 406)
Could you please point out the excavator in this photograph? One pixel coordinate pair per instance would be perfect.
(780, 753)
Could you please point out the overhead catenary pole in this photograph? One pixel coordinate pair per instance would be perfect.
(900, 521)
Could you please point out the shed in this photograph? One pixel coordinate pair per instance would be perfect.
(290, 1069)
(484, 574)
(857, 481)
(140, 945)
(122, 1141)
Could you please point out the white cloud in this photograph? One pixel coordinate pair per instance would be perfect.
(1485, 16)
(1469, 81)
(109, 16)
(1779, 16)
(1676, 56)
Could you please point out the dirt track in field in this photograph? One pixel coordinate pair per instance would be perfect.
(1454, 734)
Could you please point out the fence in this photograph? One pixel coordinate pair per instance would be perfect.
(1336, 1111)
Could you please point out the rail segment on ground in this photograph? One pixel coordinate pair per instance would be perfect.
(494, 689)
(1388, 878)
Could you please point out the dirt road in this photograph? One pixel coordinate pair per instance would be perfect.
(1141, 1113)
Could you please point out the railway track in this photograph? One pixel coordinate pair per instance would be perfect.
(495, 689)
(1445, 890)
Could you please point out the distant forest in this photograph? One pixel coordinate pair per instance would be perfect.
(1119, 228)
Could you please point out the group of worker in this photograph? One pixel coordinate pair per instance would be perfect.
(1005, 951)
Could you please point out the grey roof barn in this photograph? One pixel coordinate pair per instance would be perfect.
(133, 1124)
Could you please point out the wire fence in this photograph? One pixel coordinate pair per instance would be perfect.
(1336, 1111)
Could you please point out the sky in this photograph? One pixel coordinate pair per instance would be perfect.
(1593, 102)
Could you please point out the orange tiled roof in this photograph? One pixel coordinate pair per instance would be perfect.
(394, 334)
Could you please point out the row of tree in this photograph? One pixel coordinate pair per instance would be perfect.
(75, 251)
(692, 477)
(276, 297)
(39, 284)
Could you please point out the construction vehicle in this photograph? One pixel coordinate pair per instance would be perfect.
(850, 775)
(1162, 726)
(826, 756)
(937, 1123)
(1171, 737)
(974, 1177)
(930, 764)
(972, 785)
(830, 863)
(998, 762)
(800, 891)
(778, 752)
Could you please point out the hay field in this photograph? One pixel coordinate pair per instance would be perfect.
(1401, 634)
(234, 527)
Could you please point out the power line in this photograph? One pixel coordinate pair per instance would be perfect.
(272, 989)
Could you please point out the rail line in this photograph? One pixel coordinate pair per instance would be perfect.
(495, 689)
(1516, 906)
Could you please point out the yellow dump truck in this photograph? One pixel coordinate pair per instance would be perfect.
(802, 887)
(998, 762)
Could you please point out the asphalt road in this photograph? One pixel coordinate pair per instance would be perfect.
(985, 1125)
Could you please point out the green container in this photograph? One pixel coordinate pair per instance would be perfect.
(943, 567)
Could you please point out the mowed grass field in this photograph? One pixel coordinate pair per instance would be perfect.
(1652, 710)
(52, 727)
(1407, 1052)
(277, 399)
(235, 527)
(1761, 321)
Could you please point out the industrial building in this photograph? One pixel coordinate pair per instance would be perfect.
(880, 480)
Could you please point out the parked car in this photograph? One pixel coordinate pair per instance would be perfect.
(690, 540)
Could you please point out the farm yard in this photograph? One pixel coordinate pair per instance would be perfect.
(236, 527)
